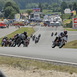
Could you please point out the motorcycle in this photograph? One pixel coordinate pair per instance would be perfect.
(16, 42)
(58, 43)
(5, 42)
(33, 37)
(26, 43)
(36, 40)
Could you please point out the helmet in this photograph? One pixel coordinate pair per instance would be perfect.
(65, 32)
(25, 33)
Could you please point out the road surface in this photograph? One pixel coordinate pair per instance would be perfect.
(43, 49)
(6, 31)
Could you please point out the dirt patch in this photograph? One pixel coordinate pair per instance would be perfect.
(17, 72)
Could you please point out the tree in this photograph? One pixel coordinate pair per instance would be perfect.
(75, 6)
(40, 6)
(10, 9)
(45, 5)
(31, 5)
(63, 7)
(70, 6)
(1, 15)
(29, 12)
(56, 7)
(9, 12)
(1, 4)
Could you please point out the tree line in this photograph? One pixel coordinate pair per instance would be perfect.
(10, 8)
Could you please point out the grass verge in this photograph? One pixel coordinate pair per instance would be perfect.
(67, 21)
(72, 44)
(70, 29)
(27, 64)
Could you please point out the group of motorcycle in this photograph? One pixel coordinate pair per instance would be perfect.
(54, 34)
(23, 39)
(36, 39)
(15, 41)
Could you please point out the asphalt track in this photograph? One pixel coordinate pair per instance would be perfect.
(43, 50)
(6, 31)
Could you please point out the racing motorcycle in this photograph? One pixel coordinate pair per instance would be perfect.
(59, 43)
(26, 42)
(36, 40)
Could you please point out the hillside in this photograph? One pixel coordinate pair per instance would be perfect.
(23, 4)
(2, 3)
(27, 3)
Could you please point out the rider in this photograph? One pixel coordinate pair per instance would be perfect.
(4, 41)
(16, 36)
(27, 41)
(19, 38)
(65, 35)
(23, 36)
(52, 34)
(33, 38)
(63, 39)
(55, 33)
(62, 35)
(36, 39)
(58, 38)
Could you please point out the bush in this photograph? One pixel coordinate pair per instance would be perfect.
(69, 25)
(66, 16)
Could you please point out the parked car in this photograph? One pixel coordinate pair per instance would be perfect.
(18, 24)
(3, 25)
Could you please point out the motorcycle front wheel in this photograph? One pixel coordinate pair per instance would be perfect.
(53, 46)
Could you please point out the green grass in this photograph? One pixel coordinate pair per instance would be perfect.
(72, 44)
(44, 11)
(26, 64)
(70, 29)
(21, 30)
(23, 11)
(66, 16)
(67, 21)
(49, 12)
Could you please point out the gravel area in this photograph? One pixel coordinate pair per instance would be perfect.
(16, 72)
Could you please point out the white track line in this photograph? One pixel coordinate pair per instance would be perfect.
(63, 62)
